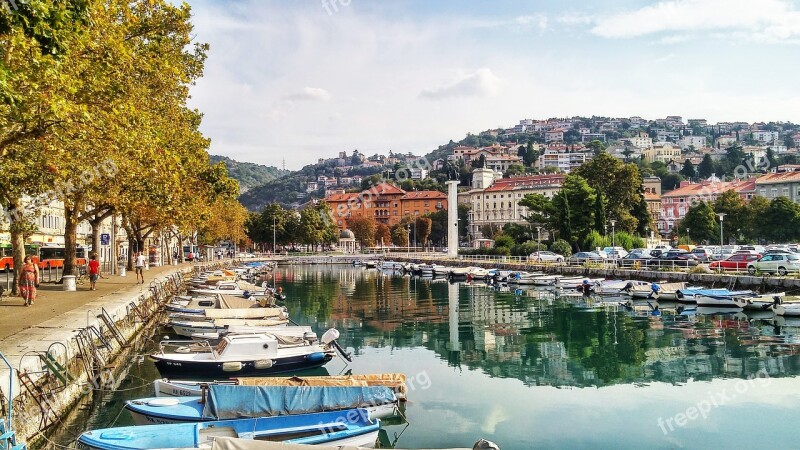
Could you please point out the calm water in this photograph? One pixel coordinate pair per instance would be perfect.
(533, 369)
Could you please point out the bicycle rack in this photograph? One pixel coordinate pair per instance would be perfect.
(8, 438)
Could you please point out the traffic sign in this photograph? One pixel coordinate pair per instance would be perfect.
(105, 239)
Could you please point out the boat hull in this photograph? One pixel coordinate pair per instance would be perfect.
(213, 368)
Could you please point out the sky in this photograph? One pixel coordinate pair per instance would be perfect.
(296, 80)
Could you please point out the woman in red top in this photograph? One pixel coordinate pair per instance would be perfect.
(94, 271)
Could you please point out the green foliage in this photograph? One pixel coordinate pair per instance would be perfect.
(574, 206)
(595, 239)
(624, 240)
(702, 222)
(248, 175)
(503, 241)
(688, 170)
(526, 248)
(638, 242)
(783, 215)
(561, 247)
(620, 186)
(496, 251)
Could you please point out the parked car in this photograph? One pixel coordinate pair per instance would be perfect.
(614, 252)
(679, 258)
(702, 254)
(545, 256)
(780, 263)
(634, 260)
(737, 261)
(582, 257)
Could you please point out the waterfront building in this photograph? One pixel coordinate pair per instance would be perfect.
(385, 202)
(675, 204)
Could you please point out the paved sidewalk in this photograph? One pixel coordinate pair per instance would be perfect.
(52, 301)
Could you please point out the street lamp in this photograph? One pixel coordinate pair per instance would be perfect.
(538, 241)
(408, 241)
(273, 236)
(688, 238)
(613, 234)
(721, 217)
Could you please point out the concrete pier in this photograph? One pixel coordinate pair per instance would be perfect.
(57, 325)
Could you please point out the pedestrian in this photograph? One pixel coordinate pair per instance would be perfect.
(94, 271)
(28, 281)
(139, 267)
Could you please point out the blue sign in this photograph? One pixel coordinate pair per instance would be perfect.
(105, 239)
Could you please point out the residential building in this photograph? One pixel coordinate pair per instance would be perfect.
(724, 141)
(766, 137)
(498, 204)
(695, 142)
(667, 136)
(661, 151)
(780, 184)
(556, 135)
(312, 186)
(386, 203)
(675, 204)
(501, 163)
(418, 174)
(641, 141)
(651, 187)
(589, 137)
(563, 161)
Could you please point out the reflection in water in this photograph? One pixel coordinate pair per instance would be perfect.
(545, 369)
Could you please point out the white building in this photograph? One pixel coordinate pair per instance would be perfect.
(563, 161)
(693, 141)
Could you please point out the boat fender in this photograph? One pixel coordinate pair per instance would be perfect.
(246, 294)
(234, 366)
(316, 357)
(263, 364)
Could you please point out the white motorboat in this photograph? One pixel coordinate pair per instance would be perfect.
(192, 328)
(618, 287)
(441, 271)
(231, 288)
(459, 272)
(666, 291)
(574, 282)
(478, 272)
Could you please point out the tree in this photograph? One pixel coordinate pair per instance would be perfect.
(503, 241)
(688, 170)
(599, 213)
(383, 235)
(620, 185)
(531, 155)
(363, 229)
(671, 181)
(706, 167)
(700, 219)
(399, 236)
(773, 162)
(788, 141)
(735, 212)
(561, 247)
(574, 206)
(480, 163)
(783, 215)
(423, 230)
(596, 146)
(540, 210)
(755, 226)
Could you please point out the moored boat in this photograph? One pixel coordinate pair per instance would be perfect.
(351, 427)
(224, 402)
(190, 328)
(225, 443)
(180, 388)
(246, 355)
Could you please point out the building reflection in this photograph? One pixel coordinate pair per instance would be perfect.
(535, 336)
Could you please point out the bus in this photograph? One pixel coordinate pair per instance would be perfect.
(53, 256)
(7, 256)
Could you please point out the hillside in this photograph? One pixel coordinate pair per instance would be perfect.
(248, 174)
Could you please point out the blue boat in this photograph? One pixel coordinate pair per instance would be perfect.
(688, 294)
(223, 402)
(351, 427)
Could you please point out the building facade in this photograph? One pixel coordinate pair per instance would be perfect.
(675, 204)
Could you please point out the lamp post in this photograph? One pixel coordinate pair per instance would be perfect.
(613, 234)
(688, 237)
(721, 217)
(538, 241)
(408, 241)
(274, 250)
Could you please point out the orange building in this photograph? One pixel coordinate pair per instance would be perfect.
(386, 203)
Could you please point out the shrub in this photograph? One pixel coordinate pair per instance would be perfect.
(595, 240)
(561, 247)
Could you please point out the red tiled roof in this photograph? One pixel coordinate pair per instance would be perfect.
(341, 197)
(710, 188)
(782, 177)
(386, 189)
(509, 184)
(418, 195)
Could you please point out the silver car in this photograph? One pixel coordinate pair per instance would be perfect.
(780, 263)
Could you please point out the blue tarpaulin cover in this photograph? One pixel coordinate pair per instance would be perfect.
(231, 402)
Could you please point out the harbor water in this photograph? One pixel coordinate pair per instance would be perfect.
(536, 368)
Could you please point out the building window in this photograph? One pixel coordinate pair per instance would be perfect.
(773, 192)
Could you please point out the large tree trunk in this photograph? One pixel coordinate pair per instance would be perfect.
(18, 247)
(70, 238)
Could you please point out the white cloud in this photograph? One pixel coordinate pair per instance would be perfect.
(480, 83)
(309, 94)
(761, 20)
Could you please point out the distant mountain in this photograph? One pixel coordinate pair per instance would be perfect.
(248, 174)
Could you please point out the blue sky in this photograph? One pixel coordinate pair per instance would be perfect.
(301, 80)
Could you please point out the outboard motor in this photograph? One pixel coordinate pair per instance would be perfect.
(483, 444)
(330, 337)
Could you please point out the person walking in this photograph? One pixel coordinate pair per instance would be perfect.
(28, 281)
(94, 272)
(139, 265)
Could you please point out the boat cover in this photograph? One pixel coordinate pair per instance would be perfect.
(722, 292)
(227, 301)
(396, 381)
(234, 402)
(247, 313)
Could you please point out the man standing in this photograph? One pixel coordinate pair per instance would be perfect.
(139, 267)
